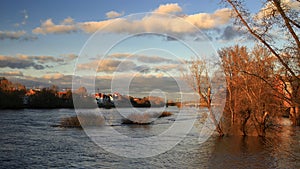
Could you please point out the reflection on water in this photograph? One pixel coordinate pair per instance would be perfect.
(27, 140)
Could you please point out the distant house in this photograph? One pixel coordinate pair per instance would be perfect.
(62, 94)
(104, 100)
(30, 92)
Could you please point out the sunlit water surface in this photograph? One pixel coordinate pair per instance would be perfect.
(28, 141)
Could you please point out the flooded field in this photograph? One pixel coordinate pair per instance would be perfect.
(28, 141)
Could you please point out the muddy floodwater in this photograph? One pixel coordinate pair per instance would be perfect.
(28, 141)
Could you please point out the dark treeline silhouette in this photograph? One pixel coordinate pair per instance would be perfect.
(48, 98)
(11, 99)
(15, 96)
(11, 95)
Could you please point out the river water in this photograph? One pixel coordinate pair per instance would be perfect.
(28, 141)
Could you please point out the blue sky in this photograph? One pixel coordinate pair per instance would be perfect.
(40, 41)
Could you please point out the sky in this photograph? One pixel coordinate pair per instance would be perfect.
(45, 43)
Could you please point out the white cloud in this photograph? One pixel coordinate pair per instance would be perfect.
(40, 59)
(292, 4)
(16, 35)
(169, 8)
(141, 58)
(11, 73)
(209, 21)
(67, 21)
(19, 62)
(49, 27)
(53, 76)
(168, 67)
(13, 35)
(120, 55)
(22, 61)
(149, 23)
(113, 14)
(108, 65)
(93, 26)
(270, 10)
(70, 57)
(162, 23)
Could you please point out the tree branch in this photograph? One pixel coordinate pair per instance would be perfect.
(286, 21)
(253, 33)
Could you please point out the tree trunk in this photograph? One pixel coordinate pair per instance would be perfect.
(297, 112)
(213, 118)
(230, 105)
(295, 115)
(244, 122)
(263, 124)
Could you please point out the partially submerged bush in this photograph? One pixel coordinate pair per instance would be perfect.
(70, 122)
(145, 118)
(82, 120)
(165, 114)
(91, 120)
(136, 118)
(162, 114)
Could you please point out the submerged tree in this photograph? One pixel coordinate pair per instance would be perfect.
(197, 77)
(276, 26)
(252, 101)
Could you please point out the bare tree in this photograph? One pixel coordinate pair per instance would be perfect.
(232, 59)
(251, 101)
(197, 77)
(280, 18)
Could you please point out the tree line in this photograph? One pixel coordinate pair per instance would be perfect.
(16, 96)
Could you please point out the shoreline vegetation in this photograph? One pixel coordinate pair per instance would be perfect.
(16, 96)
